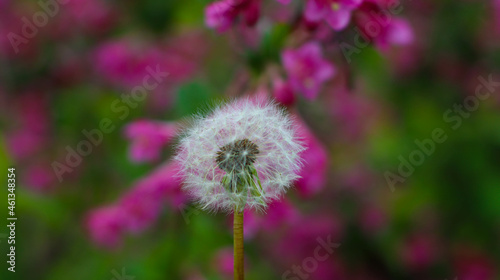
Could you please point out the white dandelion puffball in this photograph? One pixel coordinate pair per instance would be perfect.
(242, 155)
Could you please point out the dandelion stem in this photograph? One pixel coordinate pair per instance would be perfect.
(239, 273)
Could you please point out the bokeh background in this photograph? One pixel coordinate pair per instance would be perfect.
(367, 81)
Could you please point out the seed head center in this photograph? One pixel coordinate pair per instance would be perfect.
(236, 156)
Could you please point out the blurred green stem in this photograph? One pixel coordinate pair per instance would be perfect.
(239, 273)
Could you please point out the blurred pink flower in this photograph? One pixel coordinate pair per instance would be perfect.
(283, 92)
(251, 12)
(93, 16)
(315, 158)
(384, 31)
(472, 265)
(351, 112)
(39, 177)
(223, 262)
(278, 214)
(117, 62)
(105, 226)
(301, 243)
(220, 15)
(140, 209)
(397, 33)
(164, 183)
(33, 120)
(337, 13)
(148, 138)
(307, 70)
(125, 63)
(372, 219)
(24, 143)
(419, 252)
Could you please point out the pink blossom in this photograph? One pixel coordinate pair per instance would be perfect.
(224, 261)
(164, 183)
(105, 226)
(372, 219)
(337, 13)
(351, 112)
(141, 208)
(315, 157)
(383, 30)
(39, 177)
(220, 15)
(280, 213)
(419, 252)
(33, 121)
(93, 16)
(301, 241)
(148, 138)
(307, 70)
(474, 265)
(283, 92)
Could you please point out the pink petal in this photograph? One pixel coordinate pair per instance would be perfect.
(400, 32)
(338, 19)
(315, 10)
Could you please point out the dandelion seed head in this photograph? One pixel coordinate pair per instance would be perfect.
(243, 153)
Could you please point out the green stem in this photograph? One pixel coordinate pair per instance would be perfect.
(239, 273)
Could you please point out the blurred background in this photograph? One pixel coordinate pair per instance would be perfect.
(398, 103)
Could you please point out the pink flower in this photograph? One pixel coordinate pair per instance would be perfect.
(283, 92)
(419, 252)
(474, 265)
(141, 208)
(307, 70)
(148, 138)
(383, 30)
(301, 242)
(220, 15)
(337, 13)
(224, 261)
(372, 219)
(315, 157)
(33, 121)
(165, 184)
(280, 213)
(93, 16)
(39, 177)
(105, 226)
(397, 33)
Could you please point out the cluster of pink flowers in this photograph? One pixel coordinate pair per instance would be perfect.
(222, 14)
(137, 209)
(125, 63)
